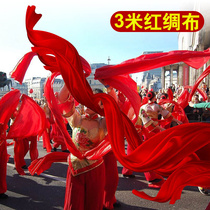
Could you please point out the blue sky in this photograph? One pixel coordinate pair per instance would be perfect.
(86, 24)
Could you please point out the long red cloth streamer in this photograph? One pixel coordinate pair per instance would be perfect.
(164, 150)
(195, 59)
(8, 104)
(126, 84)
(30, 121)
(201, 77)
(196, 173)
(97, 152)
(195, 88)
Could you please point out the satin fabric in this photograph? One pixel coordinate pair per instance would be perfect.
(195, 59)
(30, 120)
(198, 81)
(165, 152)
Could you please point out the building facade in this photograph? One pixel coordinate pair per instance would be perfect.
(92, 82)
(34, 87)
(196, 41)
(149, 79)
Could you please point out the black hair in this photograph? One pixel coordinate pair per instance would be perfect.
(164, 96)
(97, 90)
(150, 95)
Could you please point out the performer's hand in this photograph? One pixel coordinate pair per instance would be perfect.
(64, 94)
(179, 122)
(190, 104)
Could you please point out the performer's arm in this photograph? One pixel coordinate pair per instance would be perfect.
(67, 107)
(110, 90)
(149, 124)
(167, 115)
(64, 94)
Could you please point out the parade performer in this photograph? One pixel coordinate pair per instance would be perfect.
(176, 109)
(111, 181)
(20, 128)
(57, 138)
(5, 114)
(3, 166)
(126, 107)
(149, 114)
(86, 177)
(89, 130)
(21, 147)
(111, 171)
(163, 153)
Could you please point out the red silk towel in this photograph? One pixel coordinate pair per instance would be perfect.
(30, 121)
(195, 59)
(166, 151)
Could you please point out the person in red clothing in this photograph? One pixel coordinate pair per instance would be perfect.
(85, 177)
(21, 148)
(125, 107)
(57, 138)
(111, 181)
(111, 174)
(149, 113)
(3, 166)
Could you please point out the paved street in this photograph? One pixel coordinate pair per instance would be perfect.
(47, 190)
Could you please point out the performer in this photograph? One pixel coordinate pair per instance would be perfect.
(149, 114)
(85, 177)
(111, 181)
(125, 106)
(66, 60)
(21, 148)
(57, 138)
(111, 172)
(3, 166)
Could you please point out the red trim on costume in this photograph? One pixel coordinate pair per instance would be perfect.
(151, 128)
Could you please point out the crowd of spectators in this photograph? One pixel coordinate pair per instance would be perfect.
(193, 114)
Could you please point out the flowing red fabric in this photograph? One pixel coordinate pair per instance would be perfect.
(178, 111)
(102, 149)
(41, 164)
(195, 173)
(195, 88)
(183, 99)
(130, 91)
(201, 77)
(21, 148)
(30, 121)
(46, 140)
(170, 94)
(86, 66)
(8, 104)
(53, 106)
(19, 71)
(195, 59)
(164, 152)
